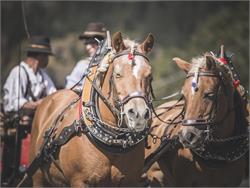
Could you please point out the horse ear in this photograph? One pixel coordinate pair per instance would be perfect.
(182, 64)
(148, 43)
(117, 42)
(210, 62)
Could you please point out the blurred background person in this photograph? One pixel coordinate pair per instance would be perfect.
(93, 34)
(26, 86)
(28, 83)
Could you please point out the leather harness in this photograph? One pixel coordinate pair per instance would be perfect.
(102, 135)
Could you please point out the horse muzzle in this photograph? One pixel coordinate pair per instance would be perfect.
(137, 116)
(191, 137)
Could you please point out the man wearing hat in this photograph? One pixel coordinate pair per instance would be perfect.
(28, 83)
(26, 86)
(94, 33)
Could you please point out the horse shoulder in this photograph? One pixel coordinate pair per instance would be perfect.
(46, 112)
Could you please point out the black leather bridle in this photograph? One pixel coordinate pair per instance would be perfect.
(120, 102)
(208, 125)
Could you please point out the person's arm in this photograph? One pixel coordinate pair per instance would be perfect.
(49, 84)
(14, 90)
(32, 104)
(76, 73)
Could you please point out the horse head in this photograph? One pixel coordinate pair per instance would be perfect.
(209, 101)
(129, 80)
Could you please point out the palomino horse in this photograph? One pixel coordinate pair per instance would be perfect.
(211, 127)
(110, 122)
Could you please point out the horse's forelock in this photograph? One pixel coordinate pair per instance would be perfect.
(130, 43)
(199, 61)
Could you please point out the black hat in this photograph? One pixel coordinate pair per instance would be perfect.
(40, 44)
(94, 29)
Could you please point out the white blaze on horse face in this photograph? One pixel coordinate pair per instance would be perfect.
(117, 69)
(138, 66)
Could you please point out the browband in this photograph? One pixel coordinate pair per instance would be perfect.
(128, 52)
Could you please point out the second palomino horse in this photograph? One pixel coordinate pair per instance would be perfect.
(210, 125)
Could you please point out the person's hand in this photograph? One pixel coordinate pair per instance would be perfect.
(39, 102)
(32, 104)
(25, 120)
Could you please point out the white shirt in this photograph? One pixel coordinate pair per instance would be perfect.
(77, 73)
(15, 88)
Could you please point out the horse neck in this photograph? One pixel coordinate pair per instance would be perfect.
(235, 122)
(225, 121)
(227, 129)
(241, 122)
(105, 113)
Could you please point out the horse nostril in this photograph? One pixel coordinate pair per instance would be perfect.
(189, 136)
(131, 112)
(146, 114)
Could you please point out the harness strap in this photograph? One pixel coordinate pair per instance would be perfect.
(105, 100)
(40, 157)
(57, 165)
(86, 92)
(228, 150)
(167, 145)
(170, 108)
(67, 133)
(50, 148)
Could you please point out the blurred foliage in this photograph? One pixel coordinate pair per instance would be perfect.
(183, 29)
(229, 26)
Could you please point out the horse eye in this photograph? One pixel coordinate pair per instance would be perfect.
(117, 75)
(150, 77)
(209, 95)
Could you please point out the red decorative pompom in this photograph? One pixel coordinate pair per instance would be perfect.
(130, 56)
(223, 60)
(236, 83)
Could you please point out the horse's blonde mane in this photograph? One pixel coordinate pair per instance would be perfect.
(129, 43)
(198, 62)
